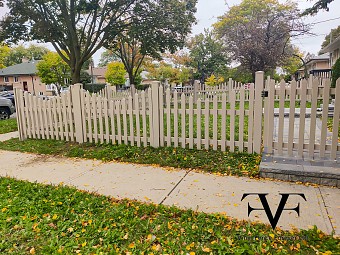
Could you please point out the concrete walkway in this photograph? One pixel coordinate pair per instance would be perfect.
(5, 137)
(198, 191)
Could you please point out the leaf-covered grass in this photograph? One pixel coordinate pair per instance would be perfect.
(330, 126)
(241, 164)
(43, 219)
(7, 126)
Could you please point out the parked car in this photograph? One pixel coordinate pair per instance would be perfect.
(6, 108)
(9, 95)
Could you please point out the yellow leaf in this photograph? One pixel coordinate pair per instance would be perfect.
(83, 244)
(230, 241)
(206, 249)
(131, 245)
(4, 209)
(272, 236)
(126, 236)
(55, 217)
(192, 253)
(156, 247)
(32, 251)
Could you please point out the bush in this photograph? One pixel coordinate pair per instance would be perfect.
(94, 88)
(335, 72)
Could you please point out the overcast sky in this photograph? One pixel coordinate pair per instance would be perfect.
(209, 10)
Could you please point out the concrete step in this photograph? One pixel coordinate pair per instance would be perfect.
(322, 175)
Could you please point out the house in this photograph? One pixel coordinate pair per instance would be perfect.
(333, 49)
(24, 76)
(98, 74)
(318, 66)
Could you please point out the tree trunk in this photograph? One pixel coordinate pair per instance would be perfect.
(131, 77)
(76, 74)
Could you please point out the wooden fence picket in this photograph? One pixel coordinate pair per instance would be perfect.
(303, 98)
(312, 129)
(326, 92)
(292, 96)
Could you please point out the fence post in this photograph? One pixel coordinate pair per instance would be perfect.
(155, 113)
(77, 111)
(259, 82)
(19, 105)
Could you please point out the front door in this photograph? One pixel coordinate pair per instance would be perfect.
(25, 86)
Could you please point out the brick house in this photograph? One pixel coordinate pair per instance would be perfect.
(24, 76)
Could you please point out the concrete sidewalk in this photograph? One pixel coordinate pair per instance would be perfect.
(7, 136)
(198, 191)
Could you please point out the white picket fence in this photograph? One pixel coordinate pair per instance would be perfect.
(231, 120)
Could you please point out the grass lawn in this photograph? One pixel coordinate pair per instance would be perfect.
(241, 164)
(7, 126)
(42, 219)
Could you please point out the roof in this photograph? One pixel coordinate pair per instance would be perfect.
(20, 69)
(98, 71)
(332, 46)
(324, 56)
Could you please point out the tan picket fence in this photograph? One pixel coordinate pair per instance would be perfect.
(235, 120)
(302, 128)
(149, 118)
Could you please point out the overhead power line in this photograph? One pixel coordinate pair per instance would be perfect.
(314, 23)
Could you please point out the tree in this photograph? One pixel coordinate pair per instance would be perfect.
(154, 36)
(164, 71)
(291, 64)
(107, 57)
(85, 77)
(20, 52)
(4, 53)
(115, 74)
(319, 5)
(208, 55)
(258, 33)
(331, 36)
(213, 80)
(240, 74)
(335, 72)
(52, 69)
(81, 27)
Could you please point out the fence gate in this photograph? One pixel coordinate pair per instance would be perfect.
(298, 118)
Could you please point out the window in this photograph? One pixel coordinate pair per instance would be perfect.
(6, 79)
(49, 87)
(41, 93)
(16, 79)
